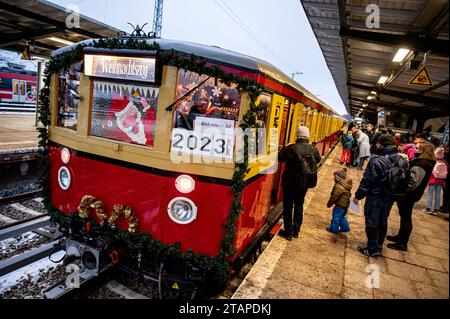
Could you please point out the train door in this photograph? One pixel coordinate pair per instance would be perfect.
(19, 89)
(284, 130)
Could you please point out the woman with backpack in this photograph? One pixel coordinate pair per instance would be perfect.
(420, 171)
(436, 182)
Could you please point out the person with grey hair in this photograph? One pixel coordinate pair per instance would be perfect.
(299, 175)
(364, 147)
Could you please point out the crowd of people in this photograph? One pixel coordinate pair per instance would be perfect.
(396, 173)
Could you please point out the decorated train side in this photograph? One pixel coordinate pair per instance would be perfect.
(162, 155)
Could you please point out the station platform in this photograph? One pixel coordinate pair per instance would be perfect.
(17, 131)
(322, 265)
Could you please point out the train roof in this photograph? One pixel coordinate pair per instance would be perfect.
(218, 54)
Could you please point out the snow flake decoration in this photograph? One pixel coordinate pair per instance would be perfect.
(217, 91)
(191, 85)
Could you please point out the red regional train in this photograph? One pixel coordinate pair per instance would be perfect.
(131, 157)
(17, 86)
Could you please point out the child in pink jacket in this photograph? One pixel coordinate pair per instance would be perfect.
(437, 182)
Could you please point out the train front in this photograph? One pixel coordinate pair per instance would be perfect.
(143, 152)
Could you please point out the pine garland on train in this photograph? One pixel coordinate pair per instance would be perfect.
(219, 265)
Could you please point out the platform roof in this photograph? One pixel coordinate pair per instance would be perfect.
(39, 22)
(358, 56)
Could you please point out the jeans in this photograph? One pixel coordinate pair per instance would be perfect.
(405, 209)
(434, 191)
(361, 162)
(292, 199)
(376, 212)
(346, 155)
(339, 221)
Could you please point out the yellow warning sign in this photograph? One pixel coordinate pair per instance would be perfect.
(26, 53)
(421, 78)
(175, 286)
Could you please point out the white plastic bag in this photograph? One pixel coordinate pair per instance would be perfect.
(354, 208)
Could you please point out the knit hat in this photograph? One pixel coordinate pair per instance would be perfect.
(341, 174)
(439, 153)
(386, 140)
(303, 132)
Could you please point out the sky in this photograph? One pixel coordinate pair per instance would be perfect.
(276, 31)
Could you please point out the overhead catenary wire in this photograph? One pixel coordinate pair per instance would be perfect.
(228, 11)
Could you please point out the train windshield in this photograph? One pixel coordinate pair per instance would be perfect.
(210, 99)
(206, 114)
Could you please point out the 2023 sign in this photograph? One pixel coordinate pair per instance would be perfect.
(206, 143)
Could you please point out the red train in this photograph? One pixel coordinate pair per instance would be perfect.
(17, 85)
(144, 147)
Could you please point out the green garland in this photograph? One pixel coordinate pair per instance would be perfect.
(219, 265)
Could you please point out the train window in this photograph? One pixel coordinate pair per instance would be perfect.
(304, 116)
(264, 101)
(212, 99)
(124, 112)
(309, 119)
(68, 96)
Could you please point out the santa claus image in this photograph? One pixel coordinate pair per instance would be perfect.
(125, 116)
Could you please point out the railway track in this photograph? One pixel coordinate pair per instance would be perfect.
(25, 212)
(20, 208)
(26, 240)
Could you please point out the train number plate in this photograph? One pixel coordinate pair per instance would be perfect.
(202, 143)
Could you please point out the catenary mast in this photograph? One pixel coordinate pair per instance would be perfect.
(157, 18)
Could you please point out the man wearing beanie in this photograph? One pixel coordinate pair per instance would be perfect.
(300, 173)
(378, 201)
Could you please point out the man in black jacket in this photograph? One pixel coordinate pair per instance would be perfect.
(378, 202)
(295, 184)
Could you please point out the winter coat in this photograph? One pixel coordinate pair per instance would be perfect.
(373, 181)
(409, 150)
(289, 155)
(438, 181)
(364, 145)
(420, 172)
(341, 193)
(347, 142)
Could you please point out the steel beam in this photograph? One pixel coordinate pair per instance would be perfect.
(38, 17)
(434, 87)
(430, 101)
(405, 41)
(8, 39)
(361, 10)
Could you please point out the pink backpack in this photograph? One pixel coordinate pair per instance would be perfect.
(440, 170)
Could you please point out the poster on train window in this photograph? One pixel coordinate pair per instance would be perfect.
(124, 112)
(221, 126)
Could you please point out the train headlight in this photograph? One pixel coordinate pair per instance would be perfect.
(64, 178)
(65, 155)
(182, 210)
(185, 184)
